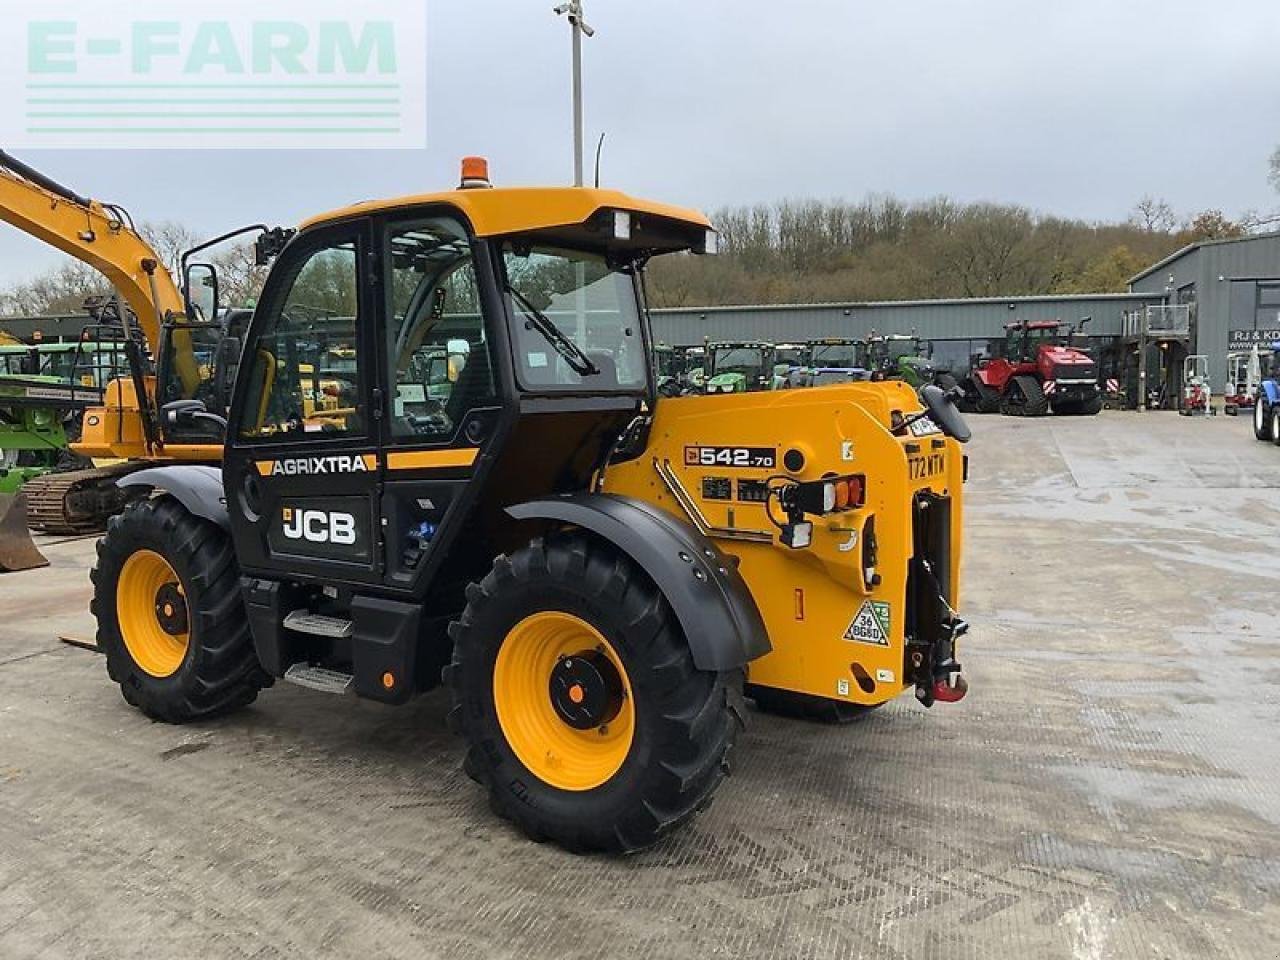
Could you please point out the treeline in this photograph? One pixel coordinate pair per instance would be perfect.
(885, 249)
(807, 251)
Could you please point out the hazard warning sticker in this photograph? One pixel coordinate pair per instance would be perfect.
(871, 625)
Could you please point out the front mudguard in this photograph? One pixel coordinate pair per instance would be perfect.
(196, 487)
(709, 597)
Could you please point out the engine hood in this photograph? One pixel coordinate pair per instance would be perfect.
(1065, 355)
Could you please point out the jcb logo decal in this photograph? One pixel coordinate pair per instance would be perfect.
(319, 526)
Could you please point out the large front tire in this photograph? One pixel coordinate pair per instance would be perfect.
(1261, 413)
(171, 621)
(647, 740)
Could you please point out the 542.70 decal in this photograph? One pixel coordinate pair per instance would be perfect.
(761, 458)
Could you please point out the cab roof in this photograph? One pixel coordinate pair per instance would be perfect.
(498, 211)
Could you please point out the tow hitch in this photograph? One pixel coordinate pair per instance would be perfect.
(935, 668)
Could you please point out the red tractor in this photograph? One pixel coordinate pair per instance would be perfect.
(1038, 370)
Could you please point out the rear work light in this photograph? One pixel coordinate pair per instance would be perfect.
(815, 498)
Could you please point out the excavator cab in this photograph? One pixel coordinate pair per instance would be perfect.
(598, 575)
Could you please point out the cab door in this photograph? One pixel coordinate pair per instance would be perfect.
(301, 470)
(440, 382)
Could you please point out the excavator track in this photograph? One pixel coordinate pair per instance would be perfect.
(78, 501)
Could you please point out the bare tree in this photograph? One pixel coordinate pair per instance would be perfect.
(170, 240)
(1154, 215)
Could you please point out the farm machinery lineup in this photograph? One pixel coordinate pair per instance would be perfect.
(748, 366)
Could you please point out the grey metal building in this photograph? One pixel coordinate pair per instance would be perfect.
(1231, 291)
(961, 331)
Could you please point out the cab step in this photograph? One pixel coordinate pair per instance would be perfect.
(319, 678)
(318, 625)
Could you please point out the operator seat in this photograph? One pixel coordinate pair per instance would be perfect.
(474, 386)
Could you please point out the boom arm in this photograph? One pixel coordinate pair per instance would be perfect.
(94, 234)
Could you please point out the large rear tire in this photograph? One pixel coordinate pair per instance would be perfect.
(171, 622)
(584, 715)
(1024, 397)
(1261, 426)
(800, 706)
(1273, 426)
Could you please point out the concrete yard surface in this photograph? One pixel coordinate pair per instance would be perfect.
(1110, 788)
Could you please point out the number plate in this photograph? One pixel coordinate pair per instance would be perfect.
(758, 458)
(923, 468)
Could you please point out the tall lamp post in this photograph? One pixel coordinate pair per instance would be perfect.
(573, 10)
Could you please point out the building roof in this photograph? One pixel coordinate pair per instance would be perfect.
(1192, 247)
(870, 304)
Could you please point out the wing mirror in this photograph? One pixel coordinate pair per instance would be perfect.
(944, 412)
(200, 290)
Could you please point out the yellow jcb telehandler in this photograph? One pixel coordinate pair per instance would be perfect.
(599, 576)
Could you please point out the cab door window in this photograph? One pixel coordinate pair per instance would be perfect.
(307, 380)
(437, 348)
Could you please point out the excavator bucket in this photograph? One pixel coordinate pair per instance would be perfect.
(17, 550)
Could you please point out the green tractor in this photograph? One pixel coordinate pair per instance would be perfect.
(42, 390)
(898, 356)
(739, 366)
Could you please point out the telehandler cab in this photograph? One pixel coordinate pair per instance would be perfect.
(652, 556)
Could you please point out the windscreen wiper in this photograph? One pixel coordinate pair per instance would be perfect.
(572, 353)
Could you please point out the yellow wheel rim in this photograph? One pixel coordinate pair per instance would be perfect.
(151, 608)
(545, 693)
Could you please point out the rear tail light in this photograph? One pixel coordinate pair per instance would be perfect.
(831, 495)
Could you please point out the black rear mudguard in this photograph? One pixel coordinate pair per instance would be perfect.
(720, 620)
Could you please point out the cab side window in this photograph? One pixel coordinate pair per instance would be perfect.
(436, 343)
(306, 378)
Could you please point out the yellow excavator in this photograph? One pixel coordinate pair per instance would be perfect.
(177, 351)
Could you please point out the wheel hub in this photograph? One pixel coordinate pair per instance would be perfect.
(586, 690)
(171, 610)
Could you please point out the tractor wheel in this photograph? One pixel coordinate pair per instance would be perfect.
(1261, 428)
(946, 381)
(1273, 426)
(1024, 397)
(801, 706)
(980, 398)
(584, 715)
(166, 595)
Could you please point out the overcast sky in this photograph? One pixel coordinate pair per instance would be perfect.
(1075, 107)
